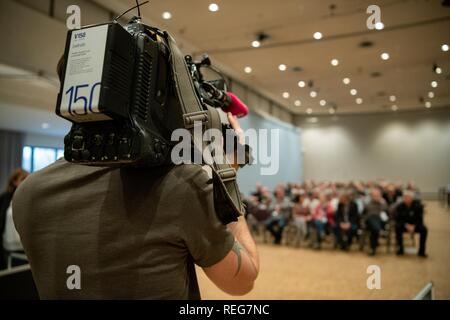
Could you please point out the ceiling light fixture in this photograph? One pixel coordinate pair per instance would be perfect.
(301, 84)
(282, 67)
(297, 103)
(334, 62)
(248, 69)
(256, 44)
(309, 111)
(332, 111)
(346, 80)
(317, 35)
(434, 84)
(213, 7)
(428, 104)
(379, 25)
(353, 92)
(313, 94)
(394, 107)
(392, 98)
(167, 15)
(444, 47)
(286, 95)
(437, 69)
(359, 100)
(385, 56)
(322, 102)
(431, 94)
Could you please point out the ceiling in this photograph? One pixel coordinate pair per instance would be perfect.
(413, 33)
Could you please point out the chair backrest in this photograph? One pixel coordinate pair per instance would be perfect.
(17, 284)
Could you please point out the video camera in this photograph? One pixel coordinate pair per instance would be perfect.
(127, 88)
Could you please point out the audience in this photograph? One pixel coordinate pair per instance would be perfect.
(14, 181)
(342, 210)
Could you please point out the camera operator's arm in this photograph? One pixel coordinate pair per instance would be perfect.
(237, 272)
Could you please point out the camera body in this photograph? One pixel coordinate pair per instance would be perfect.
(114, 90)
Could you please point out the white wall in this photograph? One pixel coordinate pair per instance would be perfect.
(403, 146)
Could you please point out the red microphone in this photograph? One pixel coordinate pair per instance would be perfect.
(235, 106)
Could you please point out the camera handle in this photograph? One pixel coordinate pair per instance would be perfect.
(227, 198)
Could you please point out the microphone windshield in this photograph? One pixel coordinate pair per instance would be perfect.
(236, 106)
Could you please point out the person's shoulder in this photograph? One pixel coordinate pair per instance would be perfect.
(195, 176)
(35, 179)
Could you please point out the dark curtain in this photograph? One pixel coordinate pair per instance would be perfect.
(11, 145)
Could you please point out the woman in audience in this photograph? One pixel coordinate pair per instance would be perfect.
(319, 217)
(5, 201)
(301, 215)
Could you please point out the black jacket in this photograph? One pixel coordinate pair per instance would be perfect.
(411, 215)
(353, 216)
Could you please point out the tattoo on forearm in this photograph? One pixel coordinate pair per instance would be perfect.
(237, 248)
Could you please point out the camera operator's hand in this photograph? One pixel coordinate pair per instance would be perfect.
(237, 127)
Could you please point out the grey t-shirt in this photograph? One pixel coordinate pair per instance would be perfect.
(134, 233)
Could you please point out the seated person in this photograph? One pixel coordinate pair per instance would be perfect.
(300, 214)
(281, 213)
(347, 221)
(322, 210)
(409, 218)
(375, 213)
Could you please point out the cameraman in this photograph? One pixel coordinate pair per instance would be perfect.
(133, 233)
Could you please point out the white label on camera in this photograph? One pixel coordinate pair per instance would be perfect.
(82, 82)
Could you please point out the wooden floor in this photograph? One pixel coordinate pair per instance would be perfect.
(302, 273)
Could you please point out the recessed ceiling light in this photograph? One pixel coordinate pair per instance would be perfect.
(301, 84)
(282, 67)
(297, 103)
(334, 62)
(359, 100)
(286, 95)
(332, 111)
(317, 35)
(353, 92)
(313, 94)
(213, 7)
(385, 56)
(248, 69)
(379, 25)
(45, 125)
(346, 80)
(309, 111)
(434, 84)
(431, 94)
(392, 98)
(322, 102)
(428, 104)
(394, 107)
(166, 15)
(438, 70)
(256, 44)
(444, 47)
